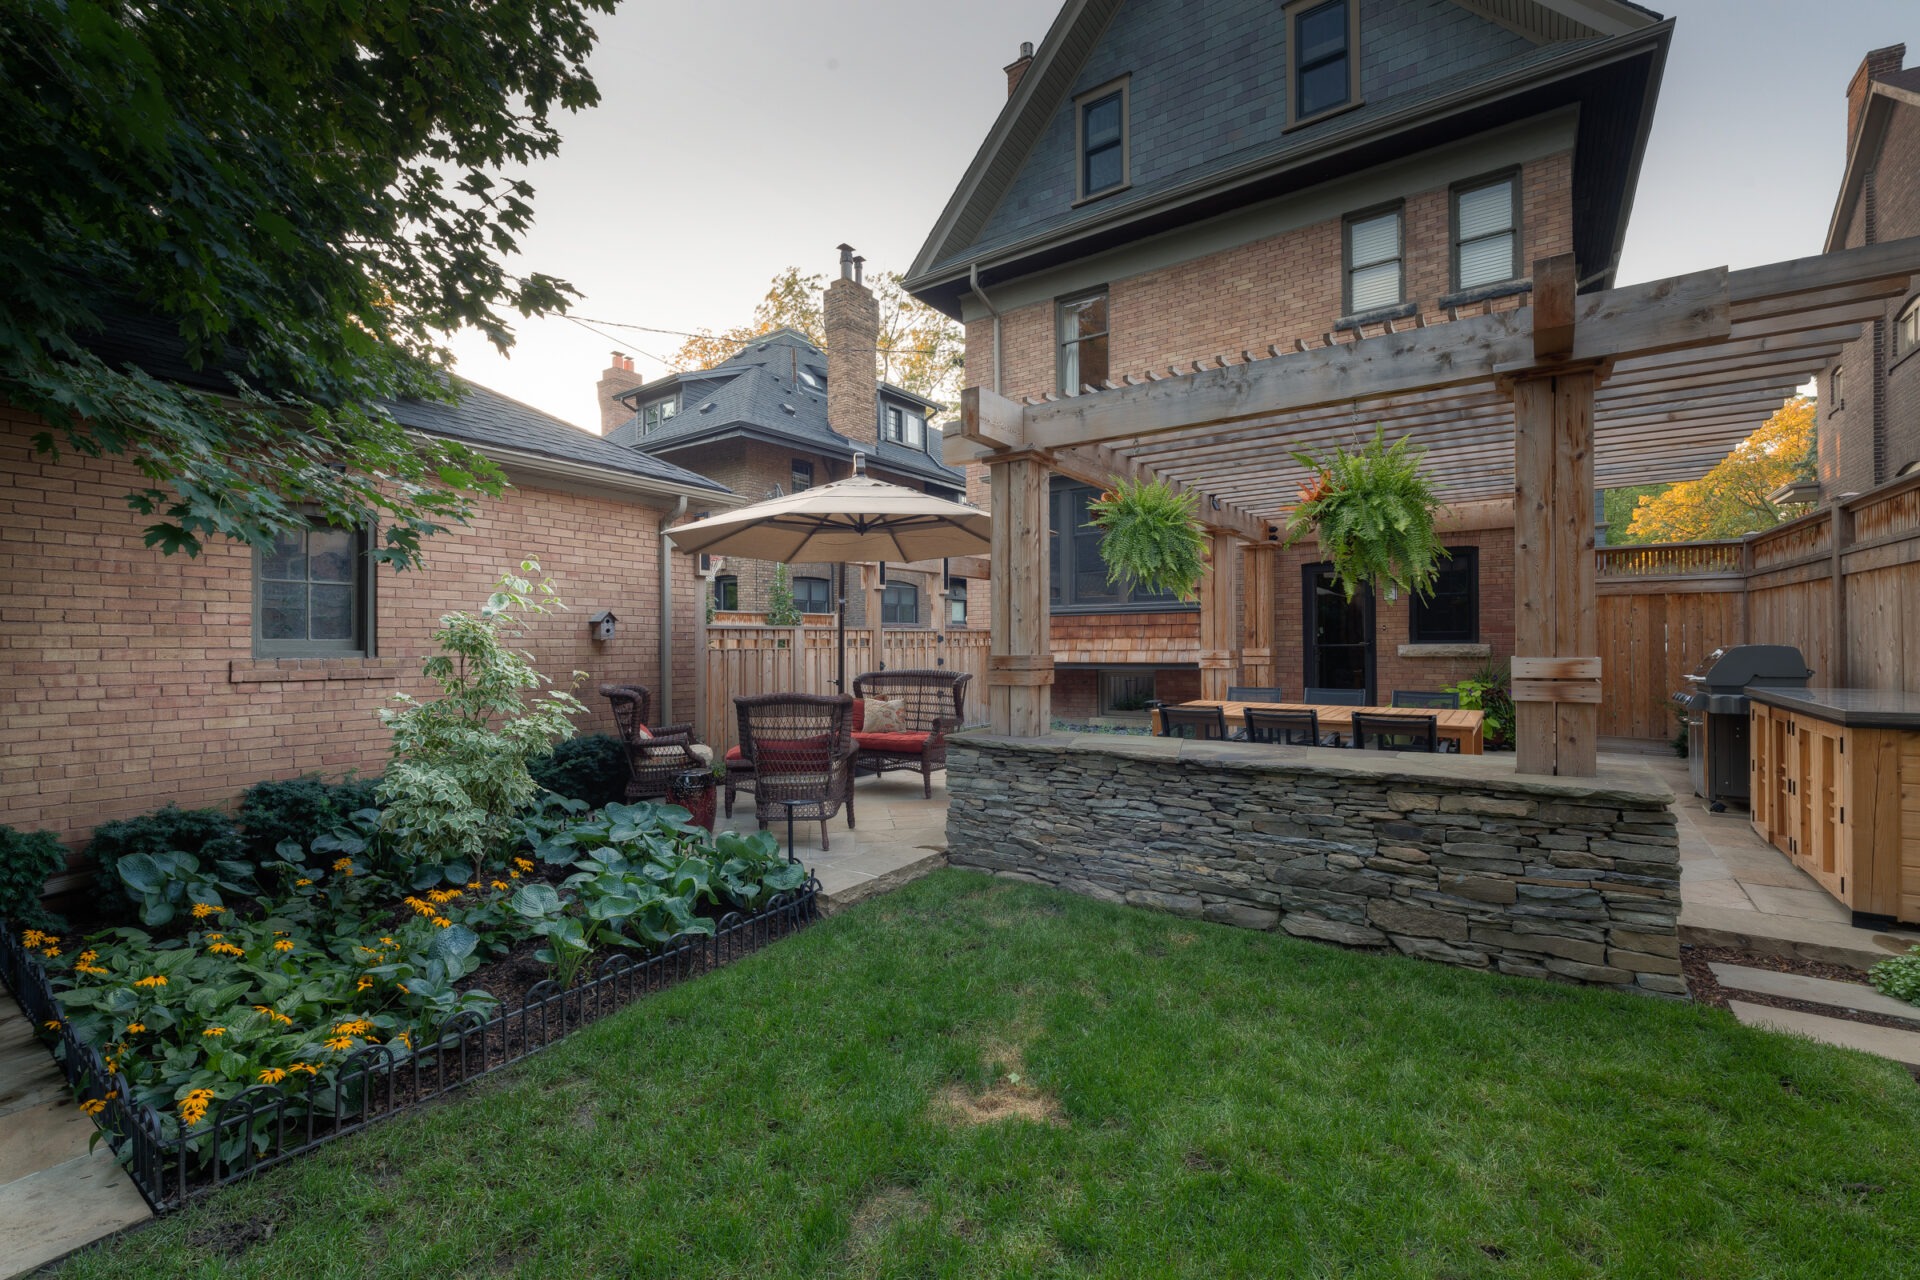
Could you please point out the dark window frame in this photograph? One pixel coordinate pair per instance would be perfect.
(1517, 227)
(800, 478)
(1906, 321)
(1836, 389)
(1082, 103)
(956, 602)
(1061, 342)
(1292, 12)
(1061, 597)
(363, 643)
(724, 585)
(1398, 208)
(891, 597)
(1458, 559)
(801, 601)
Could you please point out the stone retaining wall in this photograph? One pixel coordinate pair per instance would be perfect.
(1454, 858)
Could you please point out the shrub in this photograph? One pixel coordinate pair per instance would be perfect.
(592, 769)
(299, 809)
(1489, 690)
(1899, 976)
(27, 858)
(207, 834)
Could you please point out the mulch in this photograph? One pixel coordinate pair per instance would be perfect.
(1707, 989)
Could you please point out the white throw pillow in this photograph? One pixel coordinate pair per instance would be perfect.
(885, 715)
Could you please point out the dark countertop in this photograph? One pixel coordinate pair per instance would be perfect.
(1855, 708)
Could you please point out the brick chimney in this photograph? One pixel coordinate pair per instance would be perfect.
(853, 337)
(619, 376)
(1018, 67)
(1877, 65)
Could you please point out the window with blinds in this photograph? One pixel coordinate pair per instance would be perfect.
(1376, 273)
(1486, 233)
(1906, 330)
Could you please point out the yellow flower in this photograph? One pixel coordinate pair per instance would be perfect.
(301, 1066)
(525, 864)
(193, 1107)
(201, 910)
(225, 949)
(34, 939)
(340, 1044)
(405, 1038)
(51, 953)
(364, 983)
(444, 895)
(473, 884)
(515, 874)
(343, 865)
(89, 955)
(51, 1024)
(502, 885)
(93, 1106)
(214, 937)
(419, 907)
(272, 1075)
(285, 944)
(90, 968)
(353, 1027)
(274, 1014)
(214, 1031)
(135, 1028)
(154, 981)
(441, 922)
(388, 942)
(302, 882)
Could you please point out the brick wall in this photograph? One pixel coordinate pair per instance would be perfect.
(130, 678)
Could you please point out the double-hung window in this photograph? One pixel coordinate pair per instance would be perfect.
(1906, 330)
(956, 602)
(906, 426)
(900, 605)
(1083, 341)
(1451, 615)
(1376, 264)
(1101, 118)
(312, 594)
(1486, 232)
(813, 595)
(1322, 37)
(802, 478)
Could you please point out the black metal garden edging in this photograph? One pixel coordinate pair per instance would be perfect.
(372, 1084)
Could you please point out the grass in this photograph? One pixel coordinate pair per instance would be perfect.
(971, 1078)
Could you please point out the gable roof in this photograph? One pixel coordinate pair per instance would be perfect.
(1210, 130)
(1887, 94)
(761, 392)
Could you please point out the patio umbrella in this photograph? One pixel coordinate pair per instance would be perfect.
(851, 520)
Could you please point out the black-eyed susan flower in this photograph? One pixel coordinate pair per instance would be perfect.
(214, 1033)
(272, 1075)
(93, 1106)
(201, 910)
(153, 980)
(283, 945)
(193, 1107)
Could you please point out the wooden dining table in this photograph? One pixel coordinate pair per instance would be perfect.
(1463, 727)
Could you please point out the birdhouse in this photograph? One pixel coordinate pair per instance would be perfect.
(600, 625)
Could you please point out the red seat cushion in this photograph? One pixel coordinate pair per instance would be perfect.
(734, 754)
(859, 715)
(794, 755)
(904, 744)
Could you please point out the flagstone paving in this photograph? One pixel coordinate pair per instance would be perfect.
(1885, 1042)
(1855, 996)
(902, 835)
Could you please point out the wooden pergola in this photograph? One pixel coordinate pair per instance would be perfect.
(1537, 403)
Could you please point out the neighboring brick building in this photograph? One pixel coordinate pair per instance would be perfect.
(1869, 427)
(780, 415)
(134, 680)
(1173, 181)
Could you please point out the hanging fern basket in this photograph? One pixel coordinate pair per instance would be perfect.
(1153, 540)
(1372, 512)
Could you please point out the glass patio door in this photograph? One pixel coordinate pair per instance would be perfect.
(1339, 633)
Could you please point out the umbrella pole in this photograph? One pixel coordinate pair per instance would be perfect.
(840, 573)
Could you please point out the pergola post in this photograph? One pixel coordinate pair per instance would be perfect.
(1020, 662)
(1556, 675)
(1219, 629)
(1256, 633)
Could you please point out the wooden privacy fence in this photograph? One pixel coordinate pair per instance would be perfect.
(1841, 585)
(744, 660)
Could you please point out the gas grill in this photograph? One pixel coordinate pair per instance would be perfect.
(1715, 703)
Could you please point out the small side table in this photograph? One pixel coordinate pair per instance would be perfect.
(788, 805)
(693, 791)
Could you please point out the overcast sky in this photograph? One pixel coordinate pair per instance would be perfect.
(733, 140)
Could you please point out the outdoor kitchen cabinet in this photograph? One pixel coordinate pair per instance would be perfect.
(1835, 785)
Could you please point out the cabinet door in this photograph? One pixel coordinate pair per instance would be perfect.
(1822, 776)
(1760, 770)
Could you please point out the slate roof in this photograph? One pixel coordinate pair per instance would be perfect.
(759, 393)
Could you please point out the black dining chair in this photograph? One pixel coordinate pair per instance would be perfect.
(1336, 697)
(1256, 693)
(1424, 698)
(1396, 733)
(1283, 728)
(1206, 723)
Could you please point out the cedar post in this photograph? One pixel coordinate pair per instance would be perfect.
(1219, 636)
(1256, 635)
(1556, 685)
(1020, 663)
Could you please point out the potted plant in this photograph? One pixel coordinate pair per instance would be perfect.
(1152, 539)
(1372, 511)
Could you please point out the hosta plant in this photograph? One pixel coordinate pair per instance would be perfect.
(1372, 511)
(752, 871)
(1152, 540)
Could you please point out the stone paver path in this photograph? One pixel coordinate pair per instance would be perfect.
(1901, 1046)
(902, 835)
(1855, 996)
(55, 1194)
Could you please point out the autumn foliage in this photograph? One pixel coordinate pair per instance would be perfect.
(1731, 500)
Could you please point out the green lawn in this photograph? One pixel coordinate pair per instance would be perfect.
(1190, 1100)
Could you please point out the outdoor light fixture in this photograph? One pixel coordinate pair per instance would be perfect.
(600, 625)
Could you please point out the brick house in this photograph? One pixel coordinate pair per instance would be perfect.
(1869, 426)
(135, 679)
(782, 415)
(1168, 182)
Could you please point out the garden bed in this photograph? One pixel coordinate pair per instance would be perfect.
(265, 1126)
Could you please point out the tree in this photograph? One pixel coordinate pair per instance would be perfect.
(295, 205)
(781, 611)
(1617, 506)
(918, 348)
(1731, 500)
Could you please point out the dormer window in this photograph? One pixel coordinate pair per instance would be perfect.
(811, 381)
(907, 427)
(658, 412)
(1101, 124)
(1323, 37)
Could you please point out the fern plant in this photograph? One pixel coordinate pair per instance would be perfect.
(1372, 511)
(1152, 539)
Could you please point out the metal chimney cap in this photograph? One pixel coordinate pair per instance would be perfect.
(1026, 48)
(859, 463)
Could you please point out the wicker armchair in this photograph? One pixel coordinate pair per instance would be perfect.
(800, 746)
(933, 703)
(655, 757)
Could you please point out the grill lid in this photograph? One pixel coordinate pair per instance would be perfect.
(1732, 669)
